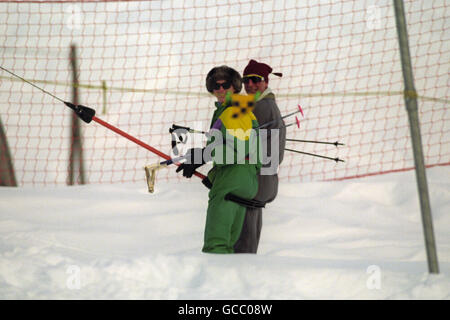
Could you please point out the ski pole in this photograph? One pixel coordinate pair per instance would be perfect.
(337, 143)
(297, 122)
(283, 117)
(181, 135)
(315, 155)
(190, 130)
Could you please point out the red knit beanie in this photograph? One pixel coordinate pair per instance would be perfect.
(260, 69)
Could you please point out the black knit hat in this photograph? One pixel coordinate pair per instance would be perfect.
(224, 73)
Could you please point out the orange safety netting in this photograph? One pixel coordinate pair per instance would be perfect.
(142, 66)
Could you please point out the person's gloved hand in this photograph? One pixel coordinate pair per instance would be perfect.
(193, 162)
(207, 183)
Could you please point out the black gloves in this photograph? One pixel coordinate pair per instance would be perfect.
(194, 160)
(207, 183)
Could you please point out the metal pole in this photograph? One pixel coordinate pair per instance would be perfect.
(412, 109)
(7, 174)
(76, 151)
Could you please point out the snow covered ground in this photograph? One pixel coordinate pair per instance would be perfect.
(358, 239)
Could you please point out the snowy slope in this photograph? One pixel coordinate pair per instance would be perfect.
(359, 239)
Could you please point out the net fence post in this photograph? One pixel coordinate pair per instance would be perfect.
(410, 95)
(76, 151)
(7, 174)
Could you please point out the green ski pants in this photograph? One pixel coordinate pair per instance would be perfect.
(224, 219)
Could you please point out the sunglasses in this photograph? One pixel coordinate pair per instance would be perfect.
(254, 78)
(225, 85)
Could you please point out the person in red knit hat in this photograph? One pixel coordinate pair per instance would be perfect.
(256, 78)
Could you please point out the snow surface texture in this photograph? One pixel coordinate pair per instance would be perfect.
(358, 239)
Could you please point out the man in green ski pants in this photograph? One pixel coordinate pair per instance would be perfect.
(231, 172)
